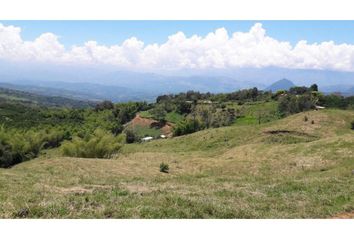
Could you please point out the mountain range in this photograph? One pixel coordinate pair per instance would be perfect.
(98, 83)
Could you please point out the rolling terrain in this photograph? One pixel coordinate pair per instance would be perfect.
(28, 98)
(287, 168)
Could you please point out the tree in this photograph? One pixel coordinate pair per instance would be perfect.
(158, 113)
(185, 127)
(314, 87)
(130, 136)
(183, 107)
(105, 105)
(298, 90)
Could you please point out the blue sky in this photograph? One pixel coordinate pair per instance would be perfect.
(115, 32)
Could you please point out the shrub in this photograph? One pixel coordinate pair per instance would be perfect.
(164, 168)
(186, 127)
(312, 122)
(17, 146)
(352, 125)
(100, 144)
(306, 118)
(6, 157)
(130, 136)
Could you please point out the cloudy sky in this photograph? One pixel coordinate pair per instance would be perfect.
(179, 45)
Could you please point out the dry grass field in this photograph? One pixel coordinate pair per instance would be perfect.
(289, 168)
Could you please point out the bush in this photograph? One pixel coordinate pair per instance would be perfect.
(306, 118)
(130, 136)
(17, 146)
(352, 125)
(186, 127)
(164, 168)
(6, 157)
(100, 144)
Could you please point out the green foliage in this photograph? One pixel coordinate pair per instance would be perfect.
(143, 131)
(164, 168)
(314, 88)
(100, 144)
(158, 113)
(6, 155)
(299, 90)
(145, 114)
(290, 104)
(124, 112)
(186, 127)
(17, 146)
(105, 105)
(336, 101)
(130, 136)
(174, 117)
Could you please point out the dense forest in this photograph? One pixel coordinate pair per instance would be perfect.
(31, 124)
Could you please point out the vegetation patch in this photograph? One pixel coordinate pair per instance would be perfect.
(99, 145)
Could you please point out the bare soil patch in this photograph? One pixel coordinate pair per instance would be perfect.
(166, 129)
(344, 215)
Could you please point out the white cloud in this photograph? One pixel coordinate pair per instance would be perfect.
(218, 49)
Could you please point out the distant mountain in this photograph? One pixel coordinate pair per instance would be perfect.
(283, 84)
(120, 85)
(15, 96)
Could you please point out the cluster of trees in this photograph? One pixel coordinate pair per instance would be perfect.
(89, 132)
(290, 104)
(336, 101)
(17, 146)
(297, 99)
(252, 94)
(205, 116)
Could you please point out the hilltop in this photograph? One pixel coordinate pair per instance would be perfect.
(283, 84)
(287, 168)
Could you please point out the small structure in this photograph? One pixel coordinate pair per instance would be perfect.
(146, 139)
(319, 107)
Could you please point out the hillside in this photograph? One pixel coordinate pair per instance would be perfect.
(287, 168)
(23, 97)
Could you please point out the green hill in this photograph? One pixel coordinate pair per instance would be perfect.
(27, 98)
(287, 168)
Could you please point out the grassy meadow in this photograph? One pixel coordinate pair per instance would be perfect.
(286, 168)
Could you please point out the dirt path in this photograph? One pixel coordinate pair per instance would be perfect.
(344, 215)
